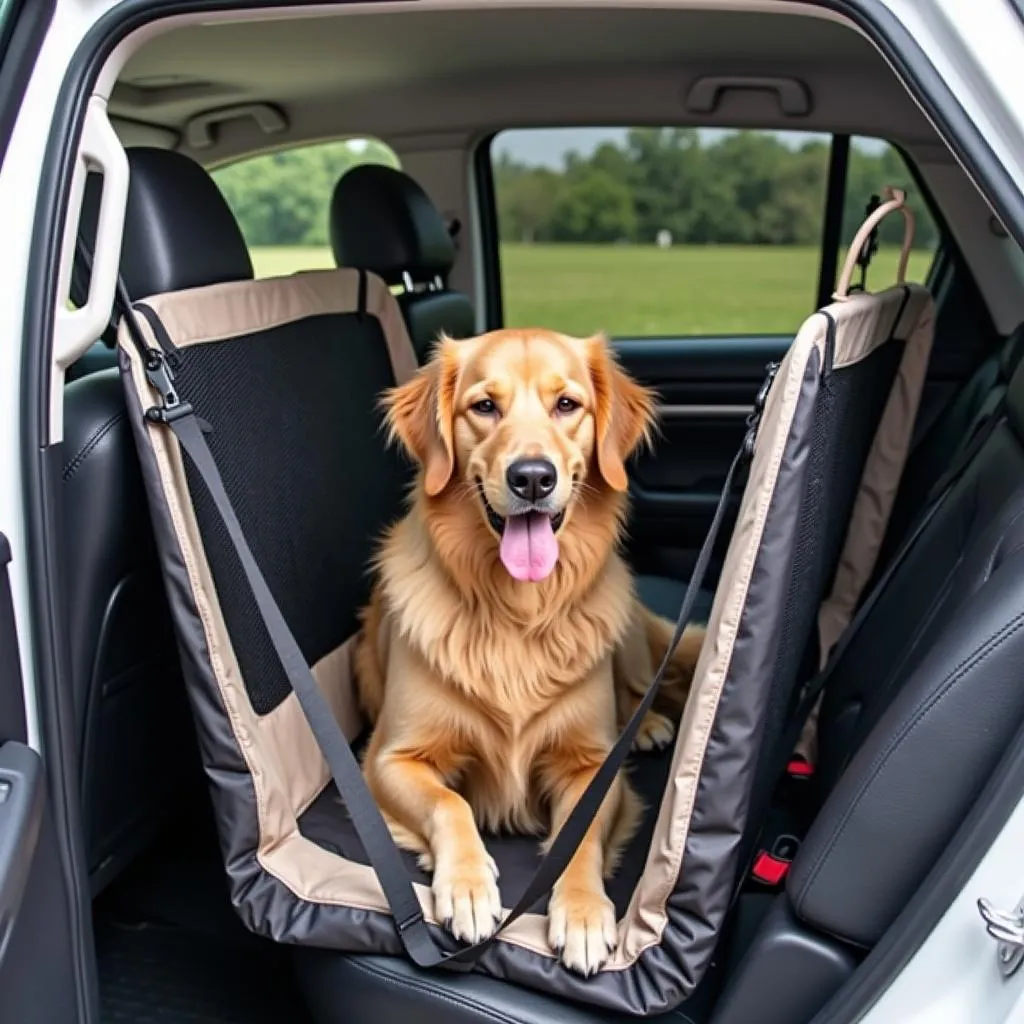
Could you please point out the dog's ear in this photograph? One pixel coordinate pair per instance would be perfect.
(420, 414)
(623, 410)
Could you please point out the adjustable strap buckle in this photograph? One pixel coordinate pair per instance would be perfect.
(754, 418)
(771, 866)
(161, 377)
(409, 922)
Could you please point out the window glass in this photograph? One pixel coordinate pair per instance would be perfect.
(873, 165)
(659, 232)
(282, 200)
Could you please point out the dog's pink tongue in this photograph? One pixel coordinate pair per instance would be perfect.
(529, 549)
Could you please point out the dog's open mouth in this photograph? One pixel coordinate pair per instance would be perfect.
(529, 547)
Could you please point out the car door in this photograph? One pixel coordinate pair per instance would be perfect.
(37, 967)
(700, 253)
(46, 966)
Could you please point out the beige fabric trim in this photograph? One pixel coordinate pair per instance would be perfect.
(883, 468)
(221, 311)
(288, 734)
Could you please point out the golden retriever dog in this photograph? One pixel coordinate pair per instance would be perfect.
(504, 647)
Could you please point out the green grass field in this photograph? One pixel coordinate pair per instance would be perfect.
(643, 291)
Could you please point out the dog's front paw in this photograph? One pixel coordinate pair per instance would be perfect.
(466, 897)
(581, 929)
(654, 733)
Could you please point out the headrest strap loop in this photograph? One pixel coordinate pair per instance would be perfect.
(896, 201)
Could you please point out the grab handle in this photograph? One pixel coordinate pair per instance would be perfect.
(896, 201)
(76, 329)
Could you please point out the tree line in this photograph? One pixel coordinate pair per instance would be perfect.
(283, 198)
(741, 188)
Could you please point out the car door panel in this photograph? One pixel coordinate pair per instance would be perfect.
(706, 388)
(37, 975)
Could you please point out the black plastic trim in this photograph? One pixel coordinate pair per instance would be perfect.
(490, 233)
(21, 814)
(832, 227)
(20, 44)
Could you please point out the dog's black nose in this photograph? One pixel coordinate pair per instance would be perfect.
(532, 479)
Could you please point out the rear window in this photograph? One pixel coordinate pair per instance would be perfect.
(681, 232)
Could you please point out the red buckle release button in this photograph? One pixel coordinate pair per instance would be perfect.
(768, 869)
(799, 768)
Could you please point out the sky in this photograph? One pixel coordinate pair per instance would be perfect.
(546, 147)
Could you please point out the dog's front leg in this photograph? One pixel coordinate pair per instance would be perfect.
(412, 791)
(581, 917)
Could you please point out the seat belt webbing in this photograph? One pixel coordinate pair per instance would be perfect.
(177, 414)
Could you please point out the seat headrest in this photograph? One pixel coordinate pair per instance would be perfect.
(1012, 351)
(382, 221)
(179, 231)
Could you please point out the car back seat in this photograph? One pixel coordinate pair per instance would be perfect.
(382, 220)
(920, 707)
(977, 399)
(980, 397)
(247, 356)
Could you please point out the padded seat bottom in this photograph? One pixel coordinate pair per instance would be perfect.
(326, 823)
(344, 989)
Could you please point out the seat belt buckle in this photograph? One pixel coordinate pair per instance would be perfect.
(799, 767)
(771, 866)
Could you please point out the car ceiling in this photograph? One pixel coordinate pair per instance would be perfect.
(427, 72)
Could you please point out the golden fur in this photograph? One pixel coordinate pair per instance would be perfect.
(493, 700)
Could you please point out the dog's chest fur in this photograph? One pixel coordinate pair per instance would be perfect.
(513, 672)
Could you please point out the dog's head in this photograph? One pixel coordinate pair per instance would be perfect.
(524, 424)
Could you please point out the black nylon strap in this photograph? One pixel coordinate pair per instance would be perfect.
(380, 848)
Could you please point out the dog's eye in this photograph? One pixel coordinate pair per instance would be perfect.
(566, 405)
(485, 407)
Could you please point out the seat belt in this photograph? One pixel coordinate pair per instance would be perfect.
(175, 412)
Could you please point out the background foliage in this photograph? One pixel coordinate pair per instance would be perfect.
(744, 188)
(282, 198)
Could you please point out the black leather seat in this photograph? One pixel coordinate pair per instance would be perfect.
(920, 709)
(383, 221)
(980, 396)
(137, 746)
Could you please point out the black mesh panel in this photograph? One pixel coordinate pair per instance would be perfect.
(297, 439)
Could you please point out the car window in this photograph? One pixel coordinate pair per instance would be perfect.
(282, 199)
(675, 232)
